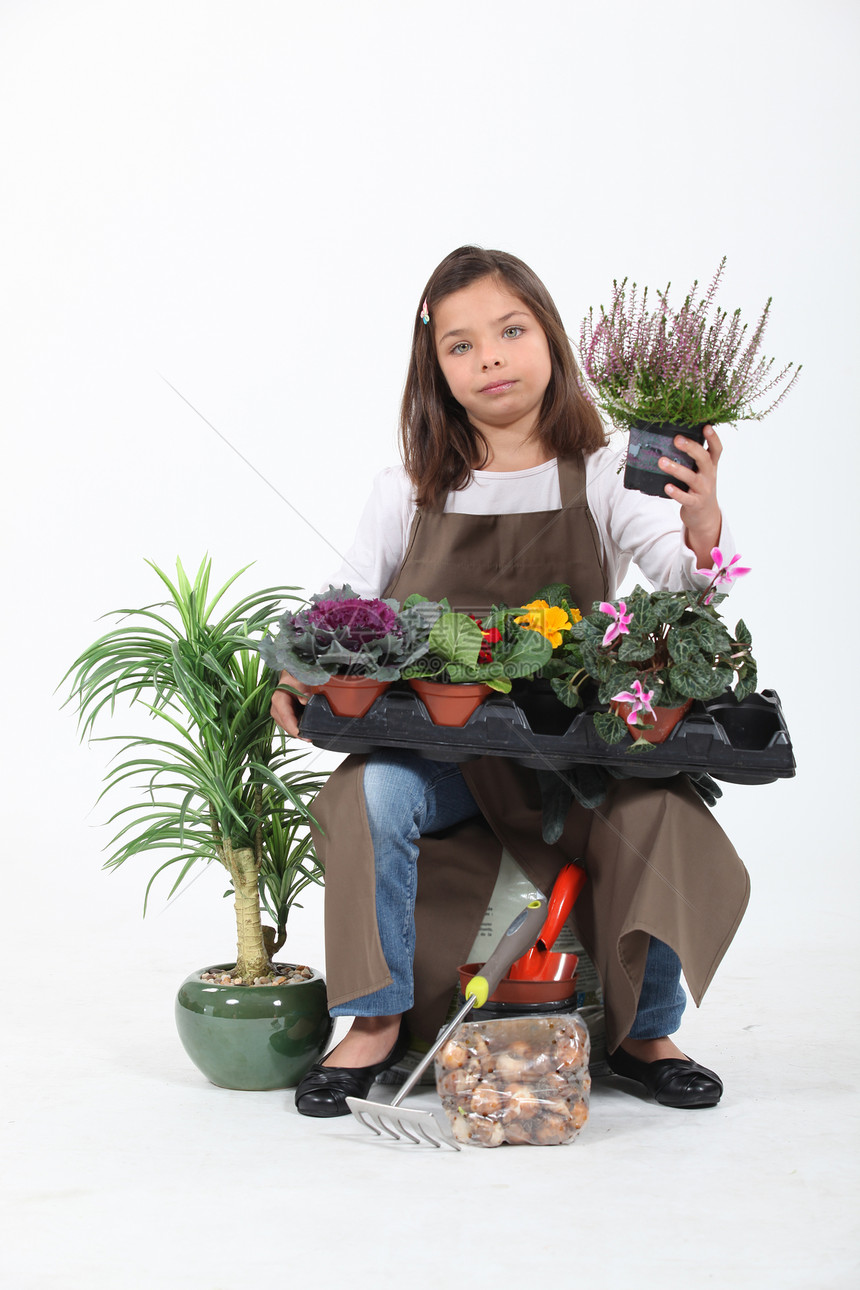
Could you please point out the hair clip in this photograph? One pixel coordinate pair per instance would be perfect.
(425, 313)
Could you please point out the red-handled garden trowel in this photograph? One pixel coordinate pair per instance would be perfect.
(537, 964)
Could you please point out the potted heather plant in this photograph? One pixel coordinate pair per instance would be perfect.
(651, 654)
(349, 647)
(466, 658)
(657, 371)
(216, 786)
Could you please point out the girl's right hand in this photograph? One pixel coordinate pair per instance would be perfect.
(286, 707)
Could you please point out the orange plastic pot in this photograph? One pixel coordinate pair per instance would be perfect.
(655, 729)
(449, 704)
(350, 696)
(554, 988)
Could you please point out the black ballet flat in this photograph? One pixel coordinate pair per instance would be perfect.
(324, 1090)
(671, 1081)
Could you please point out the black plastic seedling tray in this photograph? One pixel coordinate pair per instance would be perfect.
(740, 743)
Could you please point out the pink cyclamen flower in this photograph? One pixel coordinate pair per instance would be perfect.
(722, 574)
(639, 700)
(621, 625)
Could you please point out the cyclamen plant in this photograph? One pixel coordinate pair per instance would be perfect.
(347, 634)
(659, 647)
(657, 365)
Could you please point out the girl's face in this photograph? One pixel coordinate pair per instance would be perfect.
(494, 355)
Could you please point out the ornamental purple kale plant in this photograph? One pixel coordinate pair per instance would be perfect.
(343, 633)
(354, 621)
(697, 365)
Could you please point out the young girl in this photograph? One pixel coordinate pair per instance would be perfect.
(508, 485)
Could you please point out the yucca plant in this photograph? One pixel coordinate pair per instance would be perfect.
(217, 783)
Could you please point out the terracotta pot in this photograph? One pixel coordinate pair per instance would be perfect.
(656, 729)
(350, 696)
(449, 704)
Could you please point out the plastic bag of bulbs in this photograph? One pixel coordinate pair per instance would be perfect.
(517, 1080)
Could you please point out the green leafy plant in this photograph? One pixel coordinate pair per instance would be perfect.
(655, 648)
(463, 649)
(215, 781)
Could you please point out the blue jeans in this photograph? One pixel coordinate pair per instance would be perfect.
(407, 796)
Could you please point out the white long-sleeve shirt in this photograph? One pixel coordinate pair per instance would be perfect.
(632, 526)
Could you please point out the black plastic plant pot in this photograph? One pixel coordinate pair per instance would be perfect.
(648, 443)
(750, 726)
(742, 743)
(544, 711)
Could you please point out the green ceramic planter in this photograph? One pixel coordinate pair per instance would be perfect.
(253, 1037)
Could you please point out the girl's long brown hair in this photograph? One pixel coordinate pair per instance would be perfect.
(440, 445)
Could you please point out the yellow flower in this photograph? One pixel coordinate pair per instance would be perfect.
(548, 619)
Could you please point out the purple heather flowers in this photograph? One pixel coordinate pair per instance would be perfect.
(658, 365)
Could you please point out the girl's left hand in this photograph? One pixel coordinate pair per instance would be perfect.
(700, 511)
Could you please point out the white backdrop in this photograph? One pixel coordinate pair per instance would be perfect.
(245, 201)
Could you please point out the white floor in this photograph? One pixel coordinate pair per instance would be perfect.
(123, 1168)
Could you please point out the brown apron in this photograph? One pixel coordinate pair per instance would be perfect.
(658, 863)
